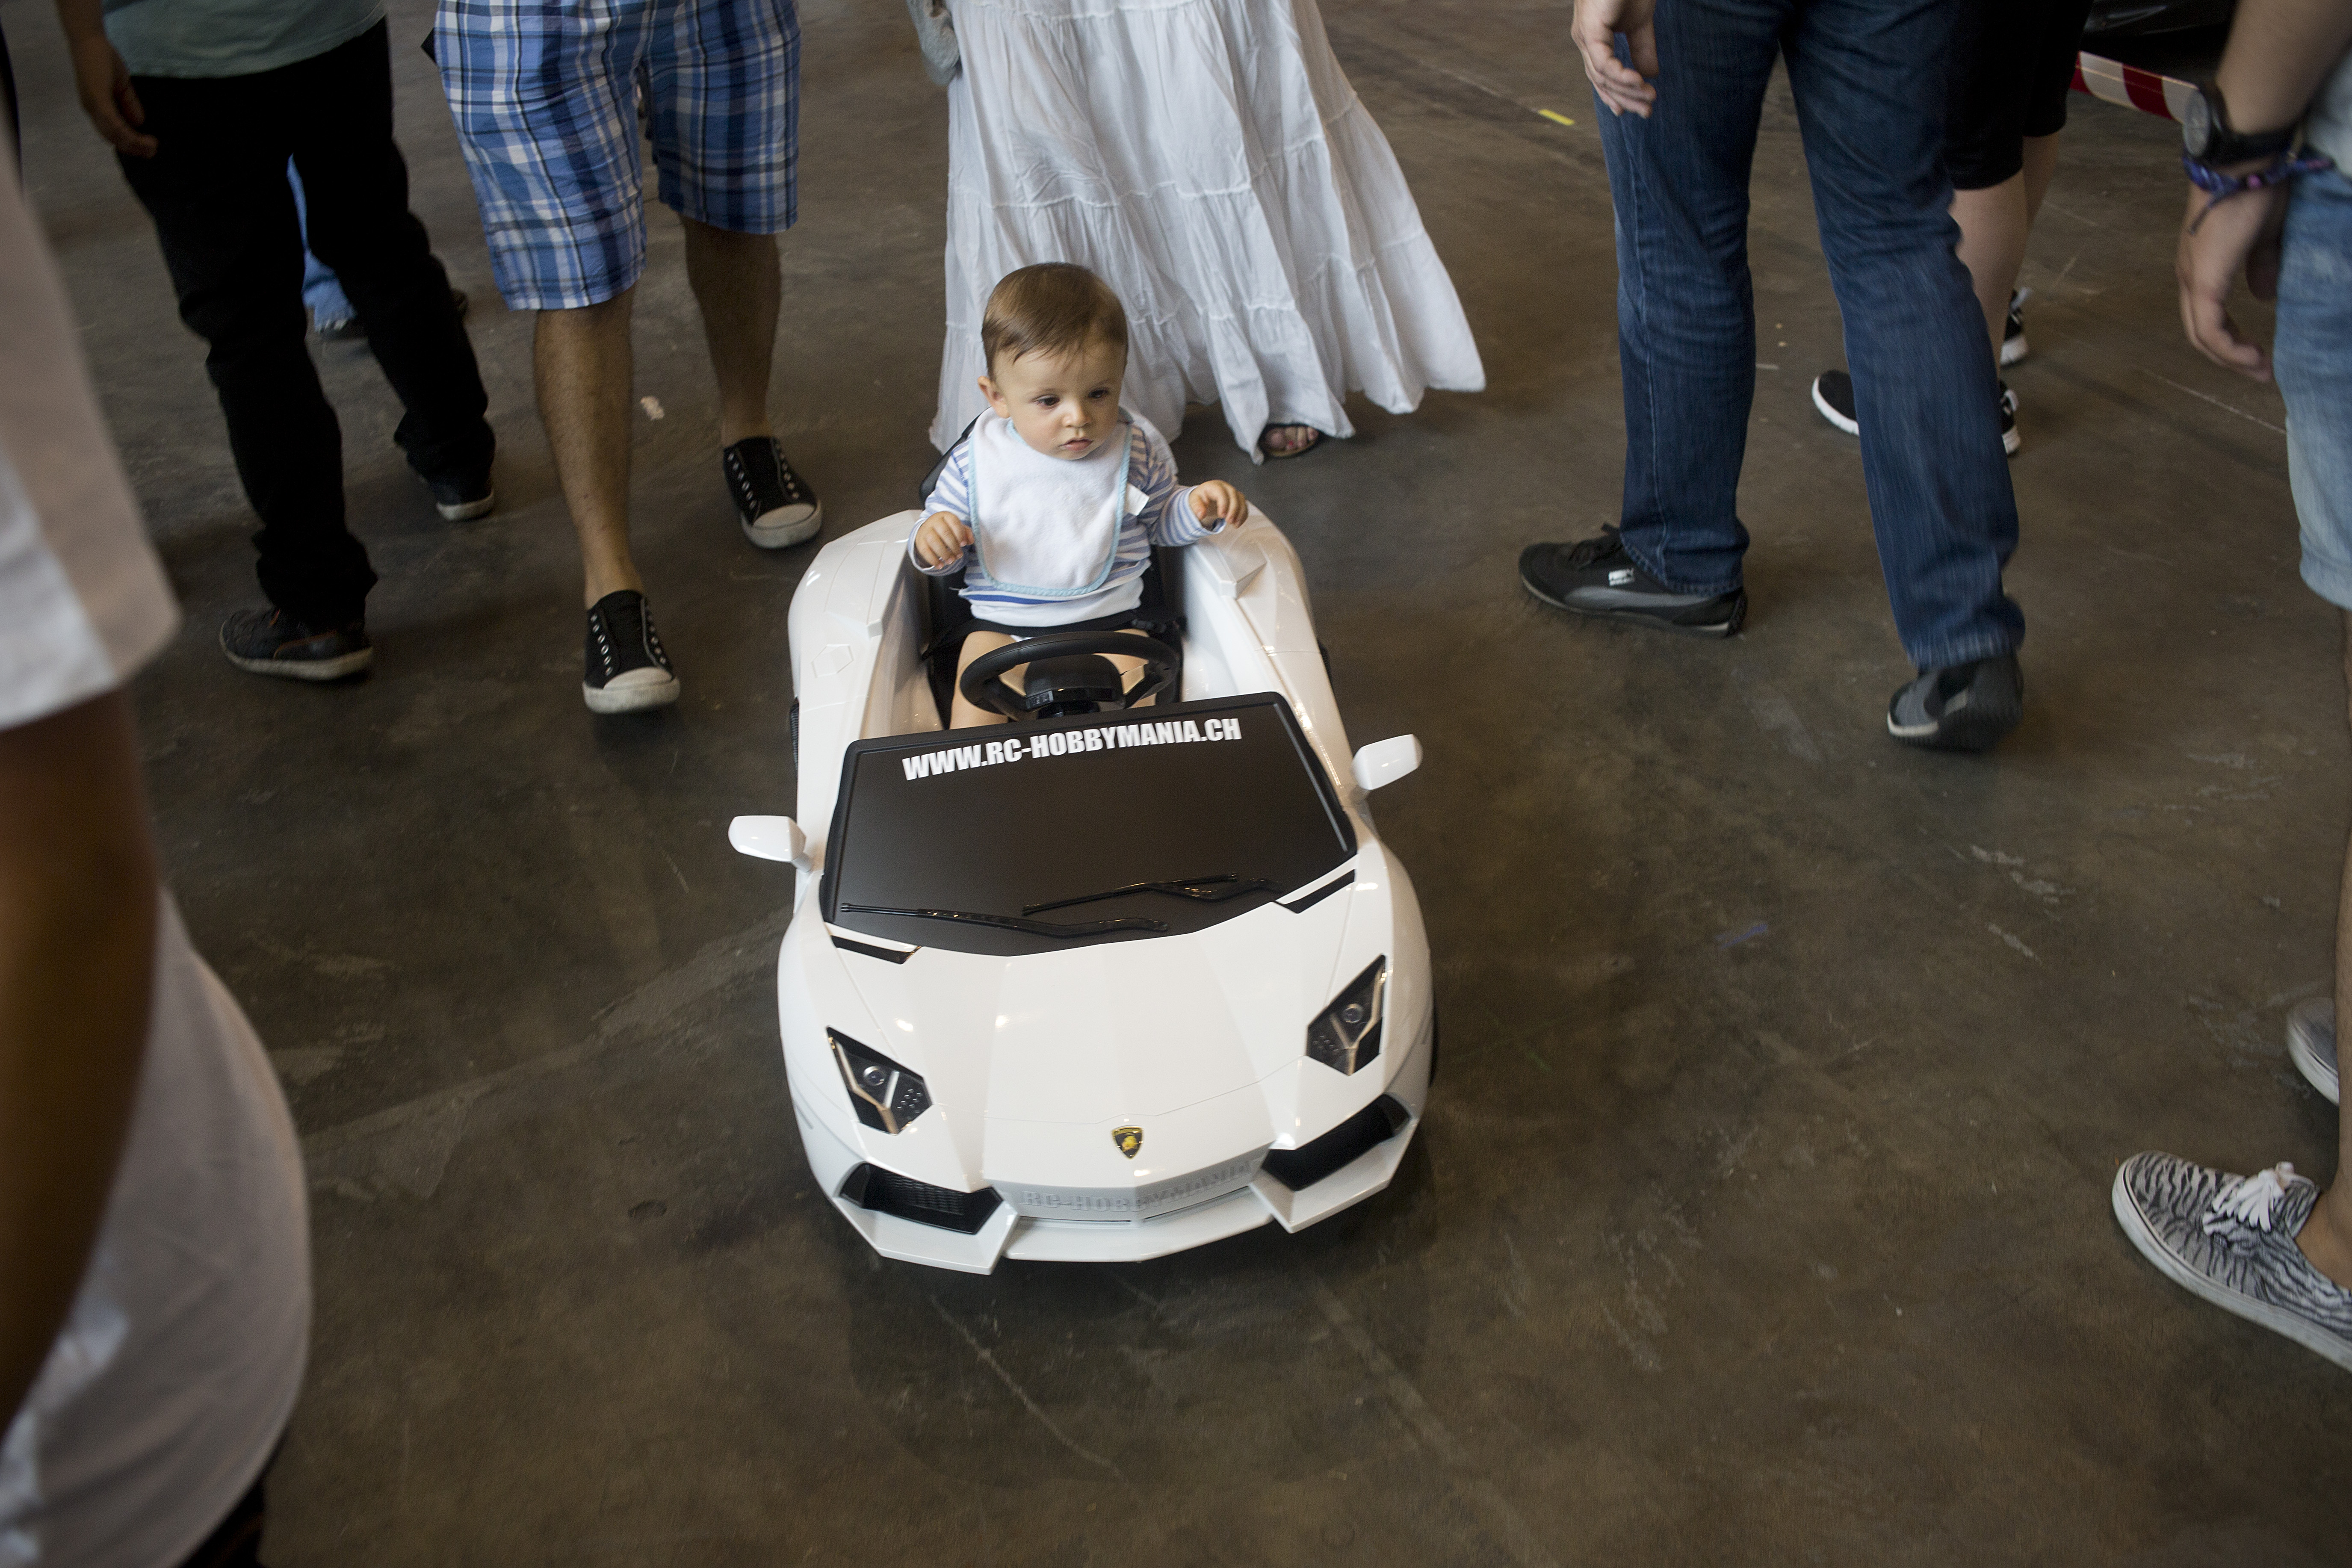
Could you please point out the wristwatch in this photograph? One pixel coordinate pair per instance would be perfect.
(2205, 135)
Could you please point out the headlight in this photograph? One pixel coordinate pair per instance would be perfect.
(1346, 1036)
(884, 1095)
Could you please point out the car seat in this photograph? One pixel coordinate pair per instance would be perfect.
(948, 618)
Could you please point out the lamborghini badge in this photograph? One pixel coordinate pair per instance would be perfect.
(1128, 1139)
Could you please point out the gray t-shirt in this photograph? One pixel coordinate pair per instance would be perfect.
(176, 1368)
(231, 37)
(2329, 127)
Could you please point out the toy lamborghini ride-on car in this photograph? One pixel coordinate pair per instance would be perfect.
(1115, 979)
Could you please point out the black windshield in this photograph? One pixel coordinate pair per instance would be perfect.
(1017, 819)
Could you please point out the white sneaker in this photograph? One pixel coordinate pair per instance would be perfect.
(2310, 1041)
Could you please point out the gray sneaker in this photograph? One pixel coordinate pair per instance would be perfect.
(2231, 1239)
(2310, 1041)
(1961, 708)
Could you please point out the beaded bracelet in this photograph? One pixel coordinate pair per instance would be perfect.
(2221, 186)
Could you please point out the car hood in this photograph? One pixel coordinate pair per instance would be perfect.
(1122, 1030)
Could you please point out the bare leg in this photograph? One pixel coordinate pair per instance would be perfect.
(736, 283)
(2041, 163)
(2326, 1237)
(583, 365)
(962, 715)
(1993, 226)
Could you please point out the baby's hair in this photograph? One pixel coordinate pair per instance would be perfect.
(1053, 308)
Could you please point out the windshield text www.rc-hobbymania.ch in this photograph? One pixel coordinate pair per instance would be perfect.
(1065, 742)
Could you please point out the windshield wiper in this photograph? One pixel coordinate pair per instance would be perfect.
(1011, 922)
(1214, 890)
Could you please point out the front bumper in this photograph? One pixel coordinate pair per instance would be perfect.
(1006, 1233)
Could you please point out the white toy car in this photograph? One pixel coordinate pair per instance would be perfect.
(1100, 985)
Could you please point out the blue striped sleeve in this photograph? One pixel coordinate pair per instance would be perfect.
(951, 494)
(1167, 515)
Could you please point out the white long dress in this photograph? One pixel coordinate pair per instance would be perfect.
(1209, 159)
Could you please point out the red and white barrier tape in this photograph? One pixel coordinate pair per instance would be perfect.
(2111, 81)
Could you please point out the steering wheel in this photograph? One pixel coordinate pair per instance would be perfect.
(982, 688)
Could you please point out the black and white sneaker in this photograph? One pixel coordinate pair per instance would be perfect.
(2231, 1239)
(2310, 1041)
(1596, 578)
(775, 504)
(1961, 707)
(463, 497)
(628, 669)
(1833, 396)
(2012, 335)
(271, 642)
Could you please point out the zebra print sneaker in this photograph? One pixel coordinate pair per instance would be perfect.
(2310, 1041)
(2231, 1239)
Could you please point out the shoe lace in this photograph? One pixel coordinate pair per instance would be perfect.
(2249, 1200)
(1599, 547)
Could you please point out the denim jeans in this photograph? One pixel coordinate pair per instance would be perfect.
(322, 296)
(1869, 81)
(225, 215)
(2313, 361)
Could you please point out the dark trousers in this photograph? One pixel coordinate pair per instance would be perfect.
(216, 189)
(237, 1542)
(1869, 79)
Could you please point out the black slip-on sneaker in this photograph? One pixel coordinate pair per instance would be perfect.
(1596, 577)
(1961, 707)
(1833, 396)
(628, 669)
(271, 642)
(774, 504)
(462, 497)
(2012, 333)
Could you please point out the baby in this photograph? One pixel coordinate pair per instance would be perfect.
(1052, 501)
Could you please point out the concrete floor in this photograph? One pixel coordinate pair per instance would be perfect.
(1762, 1215)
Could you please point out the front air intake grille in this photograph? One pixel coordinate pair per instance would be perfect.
(887, 1192)
(1302, 1167)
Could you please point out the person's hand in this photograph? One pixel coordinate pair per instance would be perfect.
(1597, 23)
(1220, 501)
(104, 82)
(2216, 240)
(941, 538)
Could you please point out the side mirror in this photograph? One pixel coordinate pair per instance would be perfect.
(770, 838)
(1385, 762)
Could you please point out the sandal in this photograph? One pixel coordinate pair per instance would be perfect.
(1314, 439)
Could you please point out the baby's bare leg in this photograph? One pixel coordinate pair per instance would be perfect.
(1129, 668)
(962, 715)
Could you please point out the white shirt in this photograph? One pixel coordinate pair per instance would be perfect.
(178, 1363)
(2329, 127)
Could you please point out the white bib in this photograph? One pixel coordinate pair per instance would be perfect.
(1047, 528)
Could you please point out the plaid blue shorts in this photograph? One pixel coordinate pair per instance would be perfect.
(545, 94)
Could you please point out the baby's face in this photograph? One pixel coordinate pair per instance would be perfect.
(1066, 405)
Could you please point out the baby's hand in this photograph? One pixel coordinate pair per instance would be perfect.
(1219, 500)
(941, 538)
